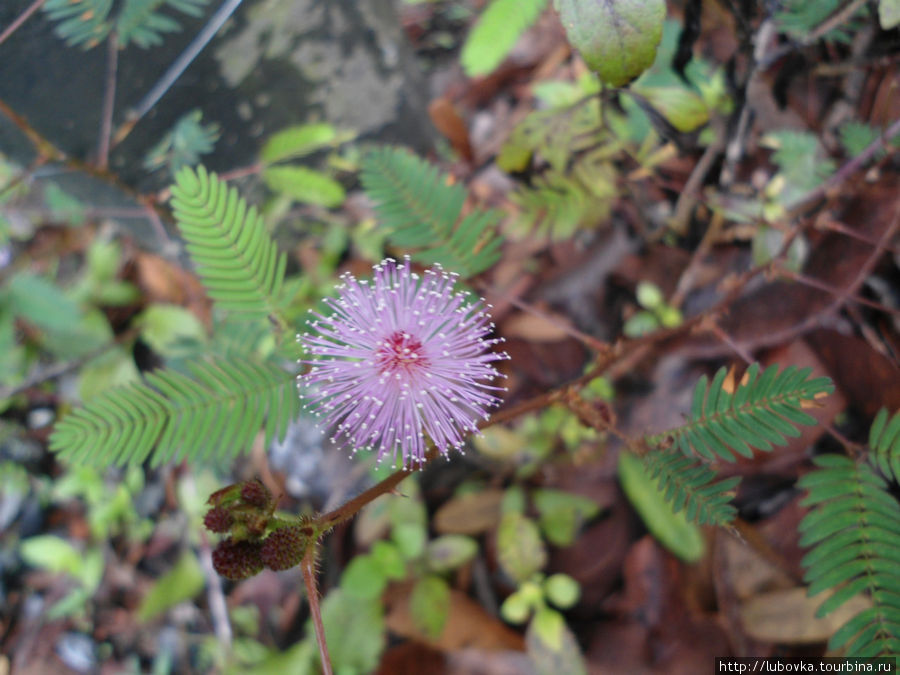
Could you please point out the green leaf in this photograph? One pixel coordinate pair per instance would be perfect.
(449, 552)
(184, 144)
(180, 583)
(80, 22)
(236, 259)
(41, 302)
(422, 206)
(210, 413)
(299, 141)
(429, 605)
(165, 328)
(889, 14)
(305, 185)
(616, 38)
(516, 608)
(113, 368)
(363, 578)
(51, 553)
(354, 632)
(551, 646)
(682, 108)
(562, 590)
(672, 530)
(389, 561)
(520, 551)
(852, 526)
(562, 514)
(497, 31)
(140, 21)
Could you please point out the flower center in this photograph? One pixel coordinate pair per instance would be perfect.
(400, 352)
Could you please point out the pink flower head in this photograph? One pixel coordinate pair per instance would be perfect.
(400, 358)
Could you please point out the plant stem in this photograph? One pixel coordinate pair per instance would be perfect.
(346, 511)
(109, 101)
(22, 18)
(312, 592)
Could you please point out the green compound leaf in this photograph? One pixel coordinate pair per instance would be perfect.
(688, 485)
(420, 205)
(852, 529)
(210, 413)
(141, 22)
(236, 259)
(80, 22)
(884, 440)
(496, 32)
(763, 411)
(673, 530)
(616, 38)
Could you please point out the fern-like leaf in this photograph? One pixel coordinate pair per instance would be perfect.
(762, 411)
(236, 259)
(689, 485)
(853, 529)
(141, 22)
(80, 22)
(496, 33)
(212, 412)
(416, 200)
(884, 442)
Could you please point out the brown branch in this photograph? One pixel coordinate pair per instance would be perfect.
(19, 20)
(841, 293)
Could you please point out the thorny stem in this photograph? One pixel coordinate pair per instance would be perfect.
(312, 591)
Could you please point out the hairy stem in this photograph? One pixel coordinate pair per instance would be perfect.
(312, 591)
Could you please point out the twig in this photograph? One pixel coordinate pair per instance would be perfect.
(813, 36)
(686, 280)
(48, 152)
(19, 20)
(218, 608)
(350, 508)
(735, 147)
(312, 593)
(716, 330)
(848, 169)
(834, 290)
(36, 163)
(109, 99)
(689, 196)
(176, 69)
(59, 369)
(810, 321)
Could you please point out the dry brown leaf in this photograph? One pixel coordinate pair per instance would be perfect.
(548, 328)
(468, 625)
(789, 616)
(473, 513)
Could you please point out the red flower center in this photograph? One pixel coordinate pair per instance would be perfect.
(400, 352)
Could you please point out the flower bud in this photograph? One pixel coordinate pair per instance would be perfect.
(218, 520)
(284, 548)
(237, 560)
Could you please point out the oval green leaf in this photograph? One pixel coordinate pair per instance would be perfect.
(617, 38)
